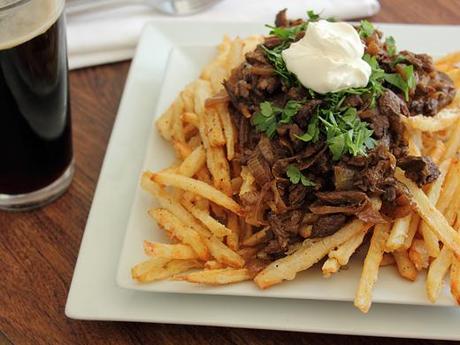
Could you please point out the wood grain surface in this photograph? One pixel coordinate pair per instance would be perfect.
(38, 249)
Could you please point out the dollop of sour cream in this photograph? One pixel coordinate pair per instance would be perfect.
(328, 58)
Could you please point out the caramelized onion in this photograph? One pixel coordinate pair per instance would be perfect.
(220, 98)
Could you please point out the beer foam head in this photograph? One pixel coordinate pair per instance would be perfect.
(26, 20)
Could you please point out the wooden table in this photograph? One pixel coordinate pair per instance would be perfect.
(38, 250)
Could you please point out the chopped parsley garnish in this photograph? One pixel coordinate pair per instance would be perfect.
(296, 176)
(270, 117)
(404, 84)
(390, 45)
(366, 29)
(312, 16)
(275, 58)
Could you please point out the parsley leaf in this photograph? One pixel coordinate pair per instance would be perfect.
(366, 29)
(296, 176)
(404, 84)
(312, 16)
(276, 59)
(270, 117)
(313, 131)
(390, 45)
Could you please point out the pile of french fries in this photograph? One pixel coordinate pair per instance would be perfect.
(210, 242)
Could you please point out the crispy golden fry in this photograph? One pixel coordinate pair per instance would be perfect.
(431, 240)
(194, 142)
(181, 231)
(198, 187)
(344, 252)
(330, 266)
(405, 267)
(149, 270)
(387, 260)
(183, 150)
(171, 204)
(172, 268)
(164, 124)
(219, 230)
(453, 143)
(455, 279)
(217, 277)
(229, 131)
(220, 169)
(418, 254)
(188, 95)
(236, 185)
(436, 273)
(431, 215)
(450, 186)
(213, 127)
(169, 251)
(223, 254)
(193, 163)
(257, 238)
(413, 227)
(201, 94)
(442, 120)
(310, 253)
(437, 151)
(453, 209)
(248, 252)
(213, 265)
(190, 118)
(177, 128)
(399, 233)
(235, 54)
(363, 298)
(217, 77)
(233, 238)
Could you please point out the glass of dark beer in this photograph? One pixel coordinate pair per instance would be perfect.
(36, 164)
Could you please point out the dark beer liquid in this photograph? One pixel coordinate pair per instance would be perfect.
(35, 128)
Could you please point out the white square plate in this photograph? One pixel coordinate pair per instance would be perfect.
(184, 65)
(94, 293)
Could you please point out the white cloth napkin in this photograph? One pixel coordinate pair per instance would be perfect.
(110, 35)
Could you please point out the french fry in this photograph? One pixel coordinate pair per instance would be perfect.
(452, 211)
(369, 275)
(233, 238)
(177, 127)
(149, 270)
(399, 233)
(405, 266)
(249, 182)
(198, 187)
(413, 227)
(188, 96)
(431, 240)
(236, 184)
(438, 151)
(217, 276)
(436, 273)
(455, 279)
(220, 169)
(257, 238)
(219, 230)
(431, 215)
(442, 120)
(248, 252)
(182, 149)
(193, 163)
(171, 204)
(213, 265)
(310, 253)
(229, 131)
(181, 231)
(223, 254)
(235, 54)
(169, 251)
(330, 266)
(344, 252)
(418, 254)
(164, 124)
(450, 186)
(172, 268)
(213, 127)
(453, 143)
(190, 118)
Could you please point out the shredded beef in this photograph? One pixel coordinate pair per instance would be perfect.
(328, 225)
(421, 170)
